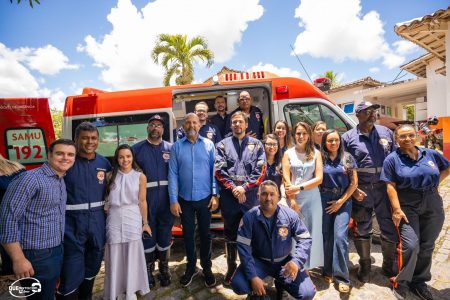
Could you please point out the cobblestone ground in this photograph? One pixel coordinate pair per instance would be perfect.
(377, 288)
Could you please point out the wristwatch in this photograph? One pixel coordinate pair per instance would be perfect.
(302, 188)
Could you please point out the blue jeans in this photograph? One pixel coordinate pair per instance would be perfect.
(191, 209)
(47, 264)
(335, 239)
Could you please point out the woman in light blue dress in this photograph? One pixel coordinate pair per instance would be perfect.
(303, 173)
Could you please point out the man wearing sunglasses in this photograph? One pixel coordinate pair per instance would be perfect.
(370, 144)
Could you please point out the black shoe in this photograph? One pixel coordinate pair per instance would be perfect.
(210, 279)
(421, 290)
(400, 292)
(186, 279)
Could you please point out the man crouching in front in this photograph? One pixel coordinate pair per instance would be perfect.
(264, 242)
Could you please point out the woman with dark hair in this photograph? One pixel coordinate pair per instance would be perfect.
(8, 171)
(339, 182)
(412, 175)
(126, 206)
(302, 174)
(318, 129)
(281, 130)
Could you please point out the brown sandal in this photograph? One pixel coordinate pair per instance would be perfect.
(343, 288)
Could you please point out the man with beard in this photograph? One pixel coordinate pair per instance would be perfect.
(152, 156)
(254, 115)
(192, 190)
(240, 168)
(370, 144)
(220, 119)
(207, 130)
(85, 235)
(265, 242)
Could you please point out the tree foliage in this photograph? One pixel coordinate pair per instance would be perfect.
(333, 77)
(29, 1)
(57, 118)
(177, 55)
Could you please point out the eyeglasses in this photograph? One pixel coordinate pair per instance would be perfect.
(403, 137)
(155, 125)
(369, 111)
(270, 145)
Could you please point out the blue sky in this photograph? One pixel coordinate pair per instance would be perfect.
(61, 46)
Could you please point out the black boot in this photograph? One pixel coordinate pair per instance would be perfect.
(85, 289)
(282, 294)
(363, 248)
(231, 253)
(389, 250)
(71, 296)
(164, 274)
(150, 260)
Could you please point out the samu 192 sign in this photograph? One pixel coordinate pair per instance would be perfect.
(26, 145)
(25, 287)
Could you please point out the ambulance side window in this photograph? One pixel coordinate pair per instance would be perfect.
(311, 113)
(26, 145)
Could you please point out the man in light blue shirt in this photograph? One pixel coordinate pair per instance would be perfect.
(192, 192)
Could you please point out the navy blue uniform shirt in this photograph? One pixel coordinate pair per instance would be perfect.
(255, 122)
(419, 174)
(335, 174)
(274, 173)
(86, 180)
(220, 122)
(369, 151)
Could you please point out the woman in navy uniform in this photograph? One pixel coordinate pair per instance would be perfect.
(339, 182)
(273, 156)
(413, 175)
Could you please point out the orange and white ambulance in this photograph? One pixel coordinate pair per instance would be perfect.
(122, 116)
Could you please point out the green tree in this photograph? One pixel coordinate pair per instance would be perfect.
(410, 112)
(178, 55)
(29, 1)
(333, 77)
(57, 118)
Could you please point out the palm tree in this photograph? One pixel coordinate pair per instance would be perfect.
(333, 77)
(29, 1)
(178, 55)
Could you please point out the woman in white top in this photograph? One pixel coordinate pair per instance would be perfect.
(302, 174)
(126, 223)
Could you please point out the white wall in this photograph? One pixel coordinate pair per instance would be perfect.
(437, 101)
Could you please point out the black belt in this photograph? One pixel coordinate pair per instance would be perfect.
(332, 190)
(431, 189)
(373, 185)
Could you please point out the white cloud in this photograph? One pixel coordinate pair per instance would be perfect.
(405, 47)
(337, 29)
(374, 70)
(283, 72)
(48, 60)
(124, 53)
(17, 81)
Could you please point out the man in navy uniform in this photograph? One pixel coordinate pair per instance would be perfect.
(220, 119)
(255, 116)
(84, 237)
(207, 130)
(240, 168)
(369, 144)
(152, 156)
(264, 240)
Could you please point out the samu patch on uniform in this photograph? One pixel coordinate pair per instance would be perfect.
(210, 135)
(101, 173)
(283, 232)
(258, 116)
(166, 156)
(431, 164)
(250, 146)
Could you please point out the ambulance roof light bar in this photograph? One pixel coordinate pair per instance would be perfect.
(244, 76)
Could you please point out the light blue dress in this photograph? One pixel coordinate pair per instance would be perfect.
(310, 203)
